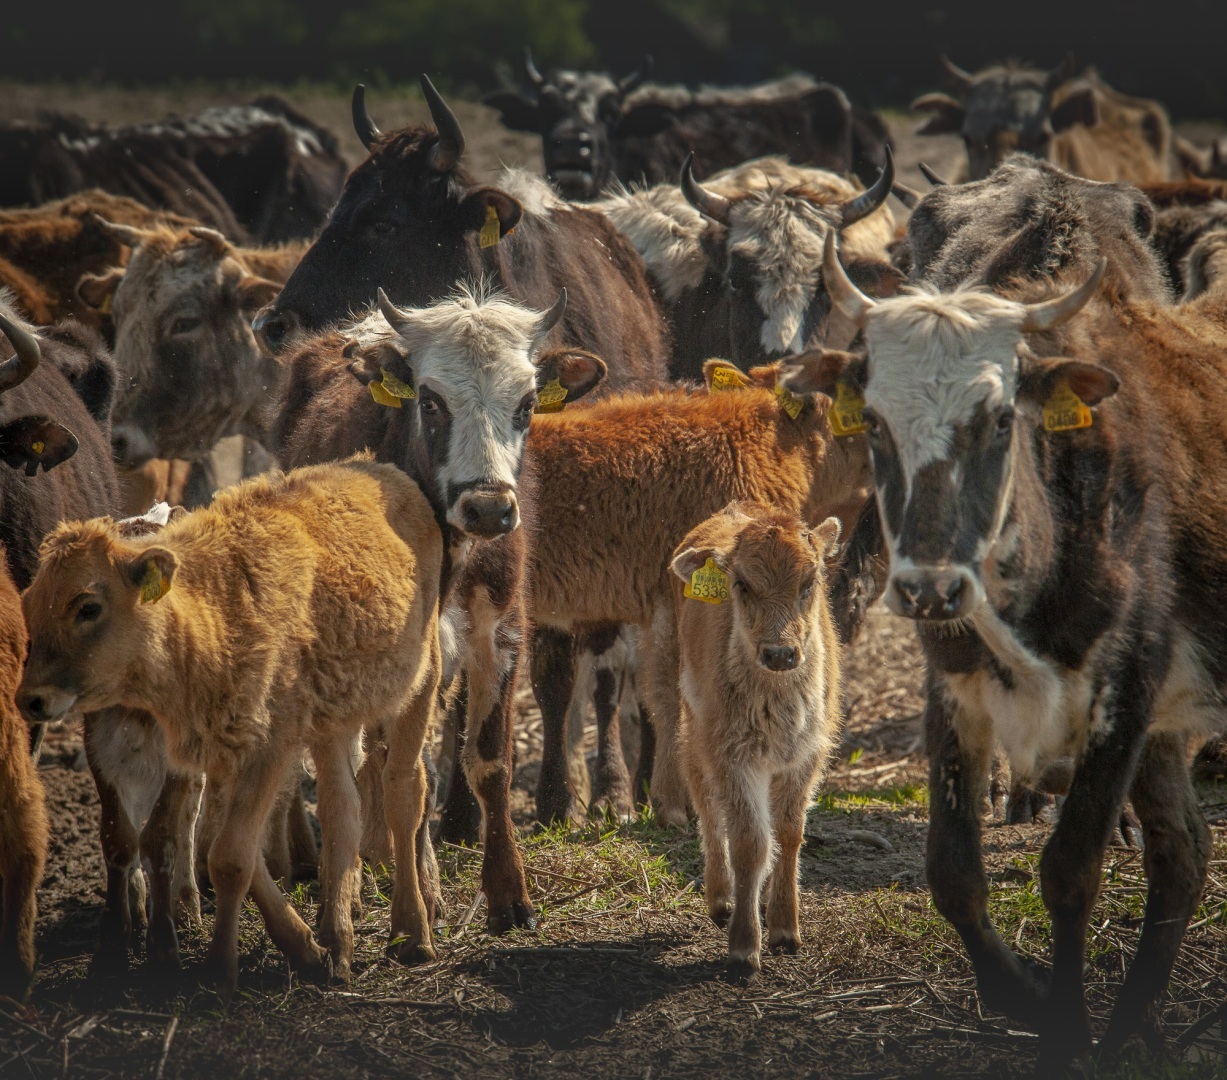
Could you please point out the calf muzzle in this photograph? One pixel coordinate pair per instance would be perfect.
(44, 704)
(779, 657)
(932, 593)
(274, 328)
(131, 447)
(486, 513)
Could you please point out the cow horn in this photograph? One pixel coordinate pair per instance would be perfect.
(534, 76)
(637, 78)
(910, 197)
(363, 124)
(446, 152)
(957, 76)
(706, 202)
(847, 297)
(19, 367)
(1061, 74)
(390, 311)
(868, 201)
(549, 319)
(216, 241)
(1050, 313)
(931, 176)
(121, 234)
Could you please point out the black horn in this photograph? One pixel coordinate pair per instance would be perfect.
(957, 76)
(363, 124)
(931, 176)
(446, 152)
(19, 367)
(910, 197)
(637, 78)
(706, 202)
(534, 76)
(868, 201)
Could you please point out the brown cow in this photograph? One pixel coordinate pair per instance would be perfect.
(264, 625)
(760, 709)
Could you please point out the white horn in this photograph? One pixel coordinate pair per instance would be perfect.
(847, 297)
(1050, 313)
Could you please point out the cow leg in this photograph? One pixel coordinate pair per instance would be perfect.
(1176, 856)
(304, 855)
(660, 662)
(340, 812)
(647, 754)
(749, 831)
(553, 679)
(789, 798)
(713, 835)
(428, 867)
(611, 790)
(460, 818)
(163, 850)
(277, 839)
(24, 852)
(184, 889)
(121, 853)
(376, 844)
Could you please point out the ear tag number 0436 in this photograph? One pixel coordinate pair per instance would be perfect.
(491, 230)
(153, 586)
(391, 391)
(1064, 410)
(550, 397)
(846, 411)
(708, 583)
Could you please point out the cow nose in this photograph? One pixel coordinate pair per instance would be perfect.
(273, 328)
(486, 513)
(41, 704)
(33, 706)
(131, 447)
(930, 594)
(778, 657)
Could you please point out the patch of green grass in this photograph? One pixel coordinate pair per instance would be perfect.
(909, 795)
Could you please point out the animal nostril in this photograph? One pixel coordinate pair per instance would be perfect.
(909, 592)
(33, 706)
(953, 591)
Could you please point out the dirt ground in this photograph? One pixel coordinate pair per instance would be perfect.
(625, 973)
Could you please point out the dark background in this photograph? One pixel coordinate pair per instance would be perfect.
(882, 53)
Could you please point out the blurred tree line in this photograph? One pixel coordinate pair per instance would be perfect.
(882, 52)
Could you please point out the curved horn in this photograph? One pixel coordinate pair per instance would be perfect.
(18, 368)
(847, 297)
(868, 201)
(363, 124)
(549, 319)
(957, 76)
(390, 312)
(446, 152)
(1050, 313)
(706, 202)
(910, 197)
(121, 234)
(931, 176)
(534, 76)
(637, 78)
(216, 241)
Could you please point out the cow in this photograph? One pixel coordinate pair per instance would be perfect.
(597, 129)
(260, 627)
(1206, 163)
(1065, 578)
(449, 393)
(1205, 267)
(1185, 211)
(191, 370)
(760, 710)
(261, 171)
(1082, 125)
(738, 262)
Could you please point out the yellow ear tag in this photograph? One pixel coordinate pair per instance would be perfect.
(726, 377)
(395, 387)
(845, 411)
(1064, 410)
(550, 397)
(38, 447)
(708, 583)
(105, 307)
(382, 397)
(491, 231)
(789, 401)
(155, 586)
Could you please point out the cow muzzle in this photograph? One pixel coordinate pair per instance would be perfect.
(933, 593)
(131, 447)
(485, 513)
(779, 658)
(273, 328)
(44, 704)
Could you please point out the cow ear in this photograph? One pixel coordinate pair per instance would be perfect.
(874, 277)
(476, 209)
(729, 379)
(98, 290)
(1090, 382)
(825, 538)
(31, 441)
(686, 560)
(151, 571)
(517, 112)
(367, 362)
(643, 121)
(948, 114)
(1078, 108)
(818, 370)
(577, 371)
(255, 292)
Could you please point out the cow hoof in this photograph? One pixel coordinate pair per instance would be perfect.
(321, 969)
(786, 942)
(742, 972)
(518, 915)
(672, 816)
(1019, 992)
(720, 913)
(220, 977)
(611, 808)
(410, 953)
(110, 961)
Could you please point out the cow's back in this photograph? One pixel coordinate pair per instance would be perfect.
(1132, 140)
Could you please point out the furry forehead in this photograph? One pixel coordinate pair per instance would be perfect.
(480, 320)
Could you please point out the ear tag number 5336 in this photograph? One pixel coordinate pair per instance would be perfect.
(708, 583)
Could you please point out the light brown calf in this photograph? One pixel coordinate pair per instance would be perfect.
(760, 708)
(274, 621)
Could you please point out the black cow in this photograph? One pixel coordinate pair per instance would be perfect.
(597, 129)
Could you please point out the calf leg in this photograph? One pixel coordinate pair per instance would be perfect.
(340, 812)
(304, 855)
(460, 818)
(553, 679)
(428, 867)
(376, 844)
(1176, 856)
(713, 835)
(647, 755)
(23, 853)
(183, 882)
(612, 786)
(162, 847)
(121, 853)
(789, 798)
(660, 663)
(749, 831)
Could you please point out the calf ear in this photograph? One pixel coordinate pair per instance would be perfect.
(825, 538)
(32, 441)
(1078, 108)
(577, 371)
(476, 208)
(818, 370)
(1090, 382)
(366, 362)
(98, 290)
(517, 112)
(714, 365)
(643, 121)
(255, 292)
(687, 560)
(874, 278)
(151, 571)
(948, 114)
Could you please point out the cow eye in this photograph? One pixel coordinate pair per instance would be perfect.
(383, 228)
(1005, 421)
(89, 612)
(524, 414)
(429, 407)
(806, 590)
(741, 587)
(185, 324)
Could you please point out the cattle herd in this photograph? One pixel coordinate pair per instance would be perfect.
(659, 426)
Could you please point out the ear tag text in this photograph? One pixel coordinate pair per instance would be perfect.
(105, 307)
(845, 413)
(708, 583)
(1064, 410)
(492, 230)
(154, 586)
(551, 397)
(38, 446)
(726, 377)
(391, 390)
(789, 401)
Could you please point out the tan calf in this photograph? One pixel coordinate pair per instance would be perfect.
(275, 621)
(759, 678)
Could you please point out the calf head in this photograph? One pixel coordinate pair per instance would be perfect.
(950, 393)
(192, 371)
(775, 567)
(469, 370)
(577, 113)
(1006, 109)
(88, 613)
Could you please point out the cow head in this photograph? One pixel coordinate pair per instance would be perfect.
(29, 442)
(407, 220)
(577, 113)
(775, 568)
(191, 369)
(469, 370)
(947, 386)
(1006, 109)
(776, 229)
